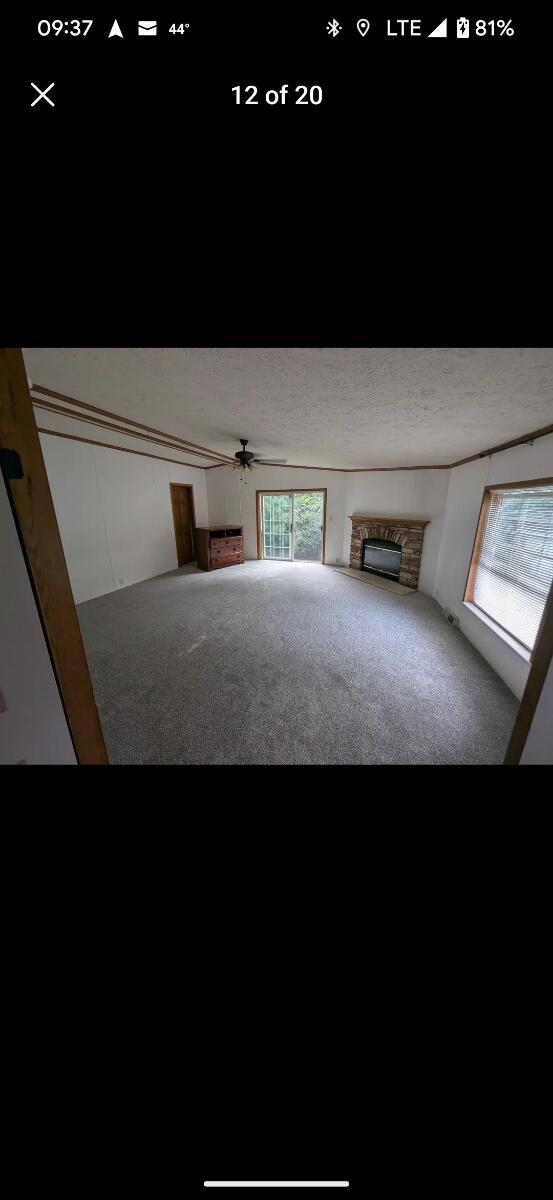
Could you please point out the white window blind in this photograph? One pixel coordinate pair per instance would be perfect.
(515, 564)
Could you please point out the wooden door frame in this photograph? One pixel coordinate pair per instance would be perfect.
(37, 527)
(190, 487)
(259, 492)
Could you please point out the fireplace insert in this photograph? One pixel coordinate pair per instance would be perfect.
(381, 557)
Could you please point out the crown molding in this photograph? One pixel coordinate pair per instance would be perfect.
(390, 520)
(526, 438)
(104, 412)
(520, 441)
(73, 437)
(196, 449)
(48, 406)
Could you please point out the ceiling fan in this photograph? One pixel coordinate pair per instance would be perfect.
(245, 458)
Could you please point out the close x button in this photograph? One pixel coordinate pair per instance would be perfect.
(42, 94)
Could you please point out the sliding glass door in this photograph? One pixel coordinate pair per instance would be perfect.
(308, 526)
(292, 525)
(277, 525)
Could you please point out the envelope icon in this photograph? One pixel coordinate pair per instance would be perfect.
(147, 28)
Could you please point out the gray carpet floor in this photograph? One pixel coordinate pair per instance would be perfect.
(271, 662)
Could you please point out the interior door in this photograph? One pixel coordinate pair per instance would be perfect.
(277, 525)
(182, 518)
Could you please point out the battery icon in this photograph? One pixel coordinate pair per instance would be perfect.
(463, 28)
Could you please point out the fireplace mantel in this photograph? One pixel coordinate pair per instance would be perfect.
(407, 532)
(389, 520)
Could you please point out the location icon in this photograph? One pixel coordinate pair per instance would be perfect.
(363, 26)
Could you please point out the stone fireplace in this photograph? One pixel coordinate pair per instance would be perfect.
(406, 533)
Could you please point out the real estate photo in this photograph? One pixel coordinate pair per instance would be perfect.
(276, 556)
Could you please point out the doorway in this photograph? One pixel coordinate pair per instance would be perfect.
(184, 520)
(291, 525)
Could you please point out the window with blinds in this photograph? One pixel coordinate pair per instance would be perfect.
(512, 567)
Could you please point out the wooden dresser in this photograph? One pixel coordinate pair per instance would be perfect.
(219, 546)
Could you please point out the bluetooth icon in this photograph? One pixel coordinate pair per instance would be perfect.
(333, 28)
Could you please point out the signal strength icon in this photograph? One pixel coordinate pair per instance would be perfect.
(440, 30)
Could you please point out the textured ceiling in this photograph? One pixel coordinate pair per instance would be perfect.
(320, 407)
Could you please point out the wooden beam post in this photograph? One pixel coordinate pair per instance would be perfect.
(541, 658)
(40, 537)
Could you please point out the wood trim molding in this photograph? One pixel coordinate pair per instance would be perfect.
(39, 533)
(73, 437)
(259, 492)
(104, 412)
(226, 459)
(323, 559)
(351, 470)
(526, 438)
(477, 546)
(519, 483)
(389, 520)
(48, 406)
(258, 495)
(543, 653)
(520, 441)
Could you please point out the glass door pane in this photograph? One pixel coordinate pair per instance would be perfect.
(308, 526)
(276, 523)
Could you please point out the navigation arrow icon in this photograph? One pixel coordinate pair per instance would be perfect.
(115, 31)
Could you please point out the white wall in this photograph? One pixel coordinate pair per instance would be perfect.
(401, 494)
(539, 743)
(114, 513)
(33, 728)
(466, 486)
(225, 494)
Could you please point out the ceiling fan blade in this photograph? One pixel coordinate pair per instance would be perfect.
(271, 460)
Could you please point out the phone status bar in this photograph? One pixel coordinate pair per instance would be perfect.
(366, 29)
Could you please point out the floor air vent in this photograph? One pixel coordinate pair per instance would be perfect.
(450, 616)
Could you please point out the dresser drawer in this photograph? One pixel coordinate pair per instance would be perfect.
(229, 548)
(226, 560)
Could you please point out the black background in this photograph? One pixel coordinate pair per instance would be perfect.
(410, 207)
(224, 989)
(248, 988)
